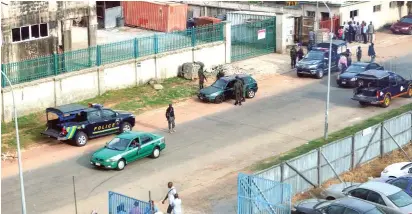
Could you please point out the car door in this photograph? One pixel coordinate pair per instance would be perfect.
(394, 87)
(110, 120)
(132, 152)
(377, 200)
(229, 91)
(96, 123)
(335, 209)
(146, 146)
(402, 83)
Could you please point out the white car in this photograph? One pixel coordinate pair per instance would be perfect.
(397, 170)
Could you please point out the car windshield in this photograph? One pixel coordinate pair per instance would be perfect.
(406, 20)
(322, 204)
(315, 55)
(118, 144)
(220, 84)
(355, 69)
(374, 211)
(401, 199)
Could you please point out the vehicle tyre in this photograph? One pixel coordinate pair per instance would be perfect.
(386, 101)
(363, 103)
(125, 127)
(319, 74)
(299, 74)
(121, 164)
(250, 93)
(80, 139)
(155, 153)
(219, 99)
(329, 198)
(409, 93)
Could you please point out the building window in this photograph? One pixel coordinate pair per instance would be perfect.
(30, 32)
(310, 13)
(393, 4)
(354, 13)
(376, 8)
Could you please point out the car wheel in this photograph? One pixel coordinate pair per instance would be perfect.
(363, 103)
(330, 198)
(299, 74)
(409, 93)
(386, 101)
(125, 127)
(319, 74)
(121, 164)
(155, 153)
(80, 139)
(219, 99)
(250, 93)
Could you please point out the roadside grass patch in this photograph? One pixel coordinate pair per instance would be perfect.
(314, 144)
(136, 99)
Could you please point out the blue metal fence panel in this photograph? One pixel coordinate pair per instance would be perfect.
(119, 203)
(258, 195)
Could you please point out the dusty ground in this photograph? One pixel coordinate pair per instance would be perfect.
(214, 184)
(362, 173)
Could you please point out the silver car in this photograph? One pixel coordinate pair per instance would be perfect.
(337, 190)
(340, 206)
(389, 198)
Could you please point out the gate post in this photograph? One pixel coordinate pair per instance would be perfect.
(227, 34)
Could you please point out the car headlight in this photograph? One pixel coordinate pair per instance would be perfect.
(113, 159)
(214, 94)
(353, 79)
(405, 28)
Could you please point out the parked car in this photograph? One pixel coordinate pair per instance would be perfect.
(380, 87)
(403, 26)
(397, 170)
(222, 88)
(348, 78)
(316, 62)
(341, 206)
(389, 198)
(335, 191)
(403, 182)
(127, 148)
(78, 123)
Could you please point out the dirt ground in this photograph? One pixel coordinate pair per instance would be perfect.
(361, 174)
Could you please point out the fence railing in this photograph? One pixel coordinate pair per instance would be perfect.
(119, 203)
(317, 166)
(32, 69)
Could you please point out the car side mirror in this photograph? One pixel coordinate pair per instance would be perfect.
(410, 171)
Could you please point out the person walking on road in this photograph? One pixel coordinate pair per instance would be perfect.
(170, 196)
(371, 32)
(343, 63)
(371, 52)
(359, 54)
(238, 90)
(201, 74)
(293, 56)
(170, 116)
(177, 205)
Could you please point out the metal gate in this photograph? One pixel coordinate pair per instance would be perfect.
(259, 195)
(253, 39)
(119, 203)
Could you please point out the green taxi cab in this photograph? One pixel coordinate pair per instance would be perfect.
(127, 148)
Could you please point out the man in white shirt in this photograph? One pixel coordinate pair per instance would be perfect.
(170, 196)
(177, 205)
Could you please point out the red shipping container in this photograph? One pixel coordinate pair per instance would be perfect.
(206, 20)
(158, 16)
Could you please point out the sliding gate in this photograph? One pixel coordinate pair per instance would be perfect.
(253, 38)
(261, 196)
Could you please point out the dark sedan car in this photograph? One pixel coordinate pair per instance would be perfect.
(348, 78)
(339, 206)
(403, 26)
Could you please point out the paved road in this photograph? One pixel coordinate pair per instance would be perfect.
(51, 187)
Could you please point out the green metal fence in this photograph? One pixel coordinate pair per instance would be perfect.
(32, 69)
(253, 39)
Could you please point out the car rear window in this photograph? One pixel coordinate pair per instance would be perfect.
(401, 199)
(374, 211)
(406, 20)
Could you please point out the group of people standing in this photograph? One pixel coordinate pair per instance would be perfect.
(352, 31)
(295, 55)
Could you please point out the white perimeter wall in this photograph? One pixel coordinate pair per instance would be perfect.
(80, 85)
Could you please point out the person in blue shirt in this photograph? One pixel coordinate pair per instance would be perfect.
(371, 52)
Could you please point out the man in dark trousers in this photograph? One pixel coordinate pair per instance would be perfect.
(238, 90)
(170, 196)
(201, 74)
(371, 52)
(359, 53)
(170, 116)
(242, 88)
(300, 53)
(293, 56)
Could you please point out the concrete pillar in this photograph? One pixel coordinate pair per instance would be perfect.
(228, 41)
(92, 25)
(67, 35)
(205, 11)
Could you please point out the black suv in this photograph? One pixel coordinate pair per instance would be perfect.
(78, 123)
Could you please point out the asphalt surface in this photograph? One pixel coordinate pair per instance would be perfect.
(51, 187)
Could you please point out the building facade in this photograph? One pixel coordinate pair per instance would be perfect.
(36, 28)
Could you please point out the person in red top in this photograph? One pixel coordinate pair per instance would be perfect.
(340, 32)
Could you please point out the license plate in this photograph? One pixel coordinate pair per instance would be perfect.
(343, 82)
(97, 164)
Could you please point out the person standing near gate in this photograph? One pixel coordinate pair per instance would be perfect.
(170, 116)
(293, 55)
(170, 196)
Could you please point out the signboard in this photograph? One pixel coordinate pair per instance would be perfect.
(261, 34)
